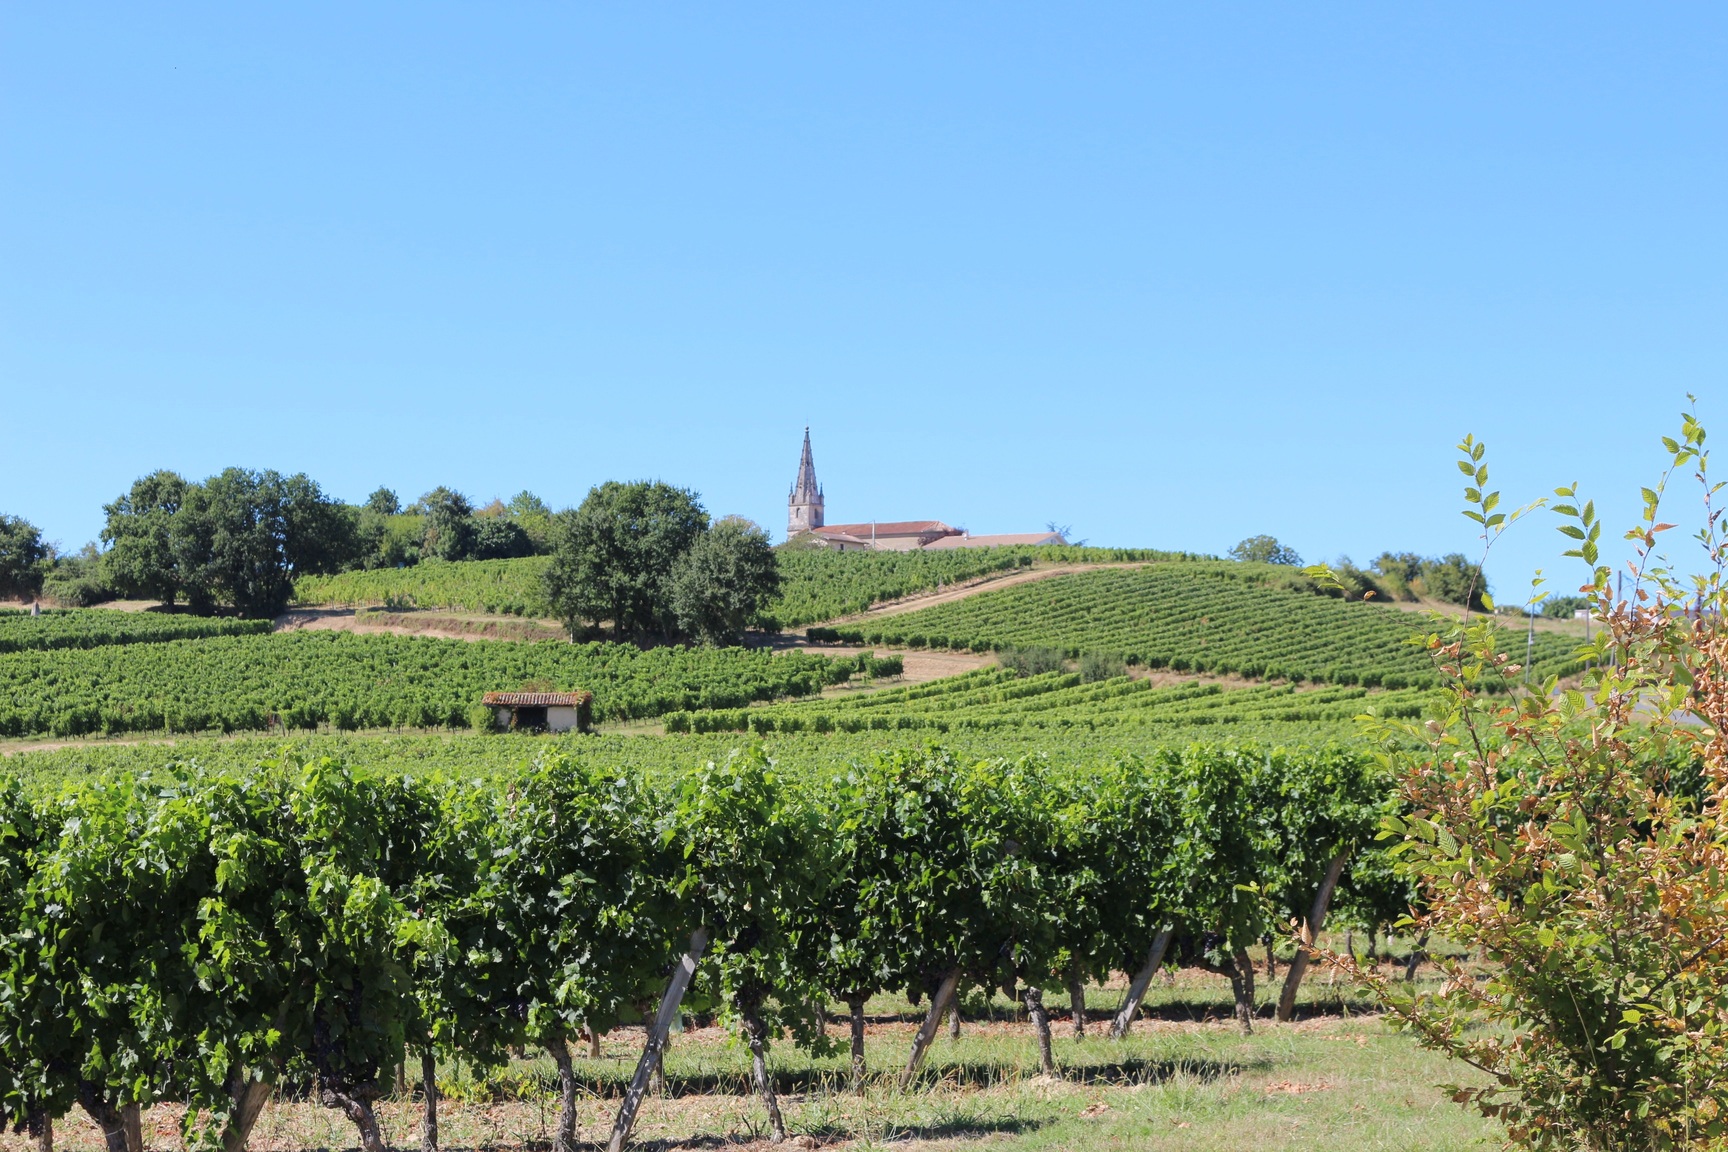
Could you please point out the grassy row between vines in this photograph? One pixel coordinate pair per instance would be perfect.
(1183, 1081)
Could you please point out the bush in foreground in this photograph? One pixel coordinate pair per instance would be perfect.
(1550, 829)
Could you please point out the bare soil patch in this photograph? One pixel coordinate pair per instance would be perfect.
(112, 605)
(442, 625)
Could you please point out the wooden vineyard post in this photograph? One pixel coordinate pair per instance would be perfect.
(662, 1027)
(1310, 933)
(1137, 987)
(939, 1003)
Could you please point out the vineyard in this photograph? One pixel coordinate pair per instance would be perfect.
(504, 587)
(1219, 618)
(165, 918)
(306, 679)
(818, 585)
(815, 584)
(995, 699)
(464, 754)
(95, 628)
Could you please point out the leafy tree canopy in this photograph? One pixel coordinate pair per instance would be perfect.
(613, 557)
(21, 556)
(724, 581)
(238, 539)
(1265, 550)
(140, 557)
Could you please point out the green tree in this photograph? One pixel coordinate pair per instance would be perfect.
(499, 538)
(240, 538)
(390, 541)
(1401, 572)
(322, 534)
(383, 502)
(22, 554)
(613, 557)
(535, 518)
(139, 532)
(1455, 580)
(724, 581)
(1264, 550)
(449, 524)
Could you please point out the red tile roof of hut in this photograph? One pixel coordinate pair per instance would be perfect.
(537, 699)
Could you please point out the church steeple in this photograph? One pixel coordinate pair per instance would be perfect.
(804, 504)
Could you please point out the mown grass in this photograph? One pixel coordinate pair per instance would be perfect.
(1186, 1080)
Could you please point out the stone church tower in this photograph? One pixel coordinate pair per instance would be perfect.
(804, 505)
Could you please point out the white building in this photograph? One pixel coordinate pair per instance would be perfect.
(542, 711)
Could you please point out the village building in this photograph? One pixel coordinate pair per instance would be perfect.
(1001, 540)
(805, 518)
(891, 535)
(542, 711)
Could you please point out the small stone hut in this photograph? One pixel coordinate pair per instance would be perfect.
(542, 711)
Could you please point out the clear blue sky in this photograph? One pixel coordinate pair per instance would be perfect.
(1172, 275)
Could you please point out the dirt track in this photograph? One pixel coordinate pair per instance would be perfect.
(963, 590)
(442, 625)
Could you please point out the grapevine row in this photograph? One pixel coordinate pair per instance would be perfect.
(1188, 617)
(161, 927)
(1056, 701)
(815, 584)
(303, 680)
(95, 627)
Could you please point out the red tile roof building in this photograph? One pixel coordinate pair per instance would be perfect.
(804, 517)
(542, 711)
